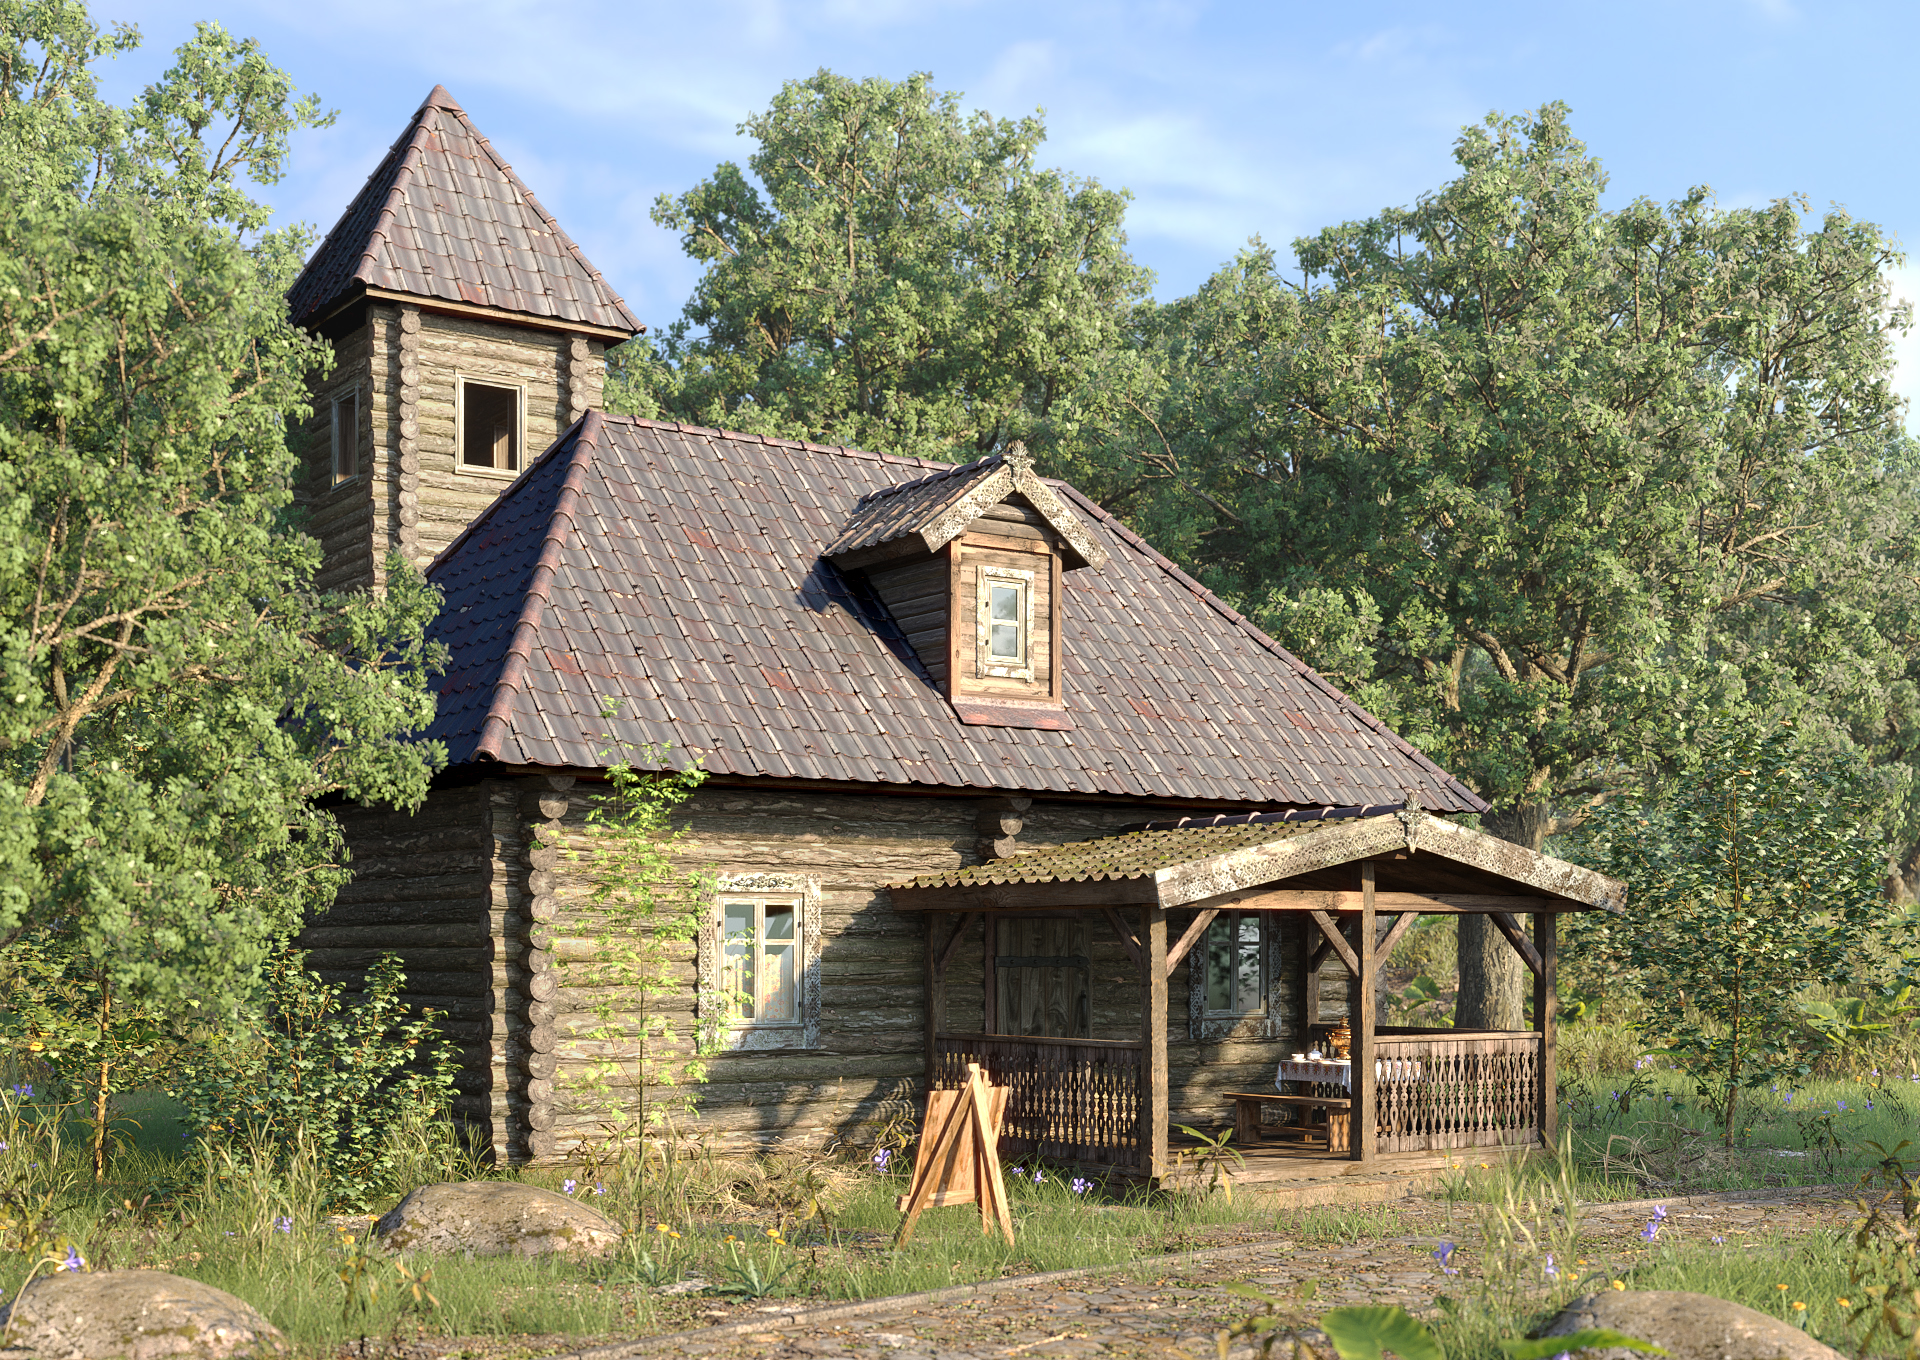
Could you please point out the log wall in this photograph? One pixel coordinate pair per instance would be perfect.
(412, 496)
(486, 894)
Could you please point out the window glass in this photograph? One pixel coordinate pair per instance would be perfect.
(1005, 623)
(760, 960)
(780, 992)
(1235, 974)
(346, 438)
(737, 951)
(490, 427)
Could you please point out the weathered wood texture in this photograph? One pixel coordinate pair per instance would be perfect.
(411, 495)
(1481, 1091)
(917, 595)
(341, 517)
(452, 348)
(1076, 1100)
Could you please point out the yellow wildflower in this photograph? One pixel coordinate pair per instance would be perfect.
(1799, 1307)
(1619, 1284)
(1844, 1303)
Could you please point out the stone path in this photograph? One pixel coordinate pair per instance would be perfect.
(1172, 1307)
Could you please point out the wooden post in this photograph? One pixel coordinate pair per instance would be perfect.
(936, 992)
(1310, 961)
(1153, 1035)
(1360, 1008)
(990, 975)
(1546, 1018)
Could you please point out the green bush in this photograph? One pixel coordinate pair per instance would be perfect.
(343, 1078)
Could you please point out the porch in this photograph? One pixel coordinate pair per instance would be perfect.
(1353, 885)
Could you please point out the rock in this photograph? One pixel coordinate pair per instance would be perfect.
(496, 1218)
(133, 1315)
(1692, 1326)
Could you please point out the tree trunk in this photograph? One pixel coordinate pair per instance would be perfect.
(1493, 981)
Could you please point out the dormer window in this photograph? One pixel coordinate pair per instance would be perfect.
(969, 563)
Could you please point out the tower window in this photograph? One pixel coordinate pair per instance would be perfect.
(1005, 601)
(346, 437)
(489, 427)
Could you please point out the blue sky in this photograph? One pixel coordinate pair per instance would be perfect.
(1224, 119)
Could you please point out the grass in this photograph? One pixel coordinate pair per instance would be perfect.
(792, 1227)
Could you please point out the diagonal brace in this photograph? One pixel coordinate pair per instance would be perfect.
(1337, 942)
(1518, 939)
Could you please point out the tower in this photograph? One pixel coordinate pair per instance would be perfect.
(468, 331)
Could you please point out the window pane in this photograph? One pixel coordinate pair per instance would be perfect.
(346, 438)
(1248, 988)
(490, 427)
(1006, 641)
(1220, 964)
(736, 954)
(779, 923)
(1006, 604)
(781, 994)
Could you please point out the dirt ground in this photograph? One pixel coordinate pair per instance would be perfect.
(1167, 1307)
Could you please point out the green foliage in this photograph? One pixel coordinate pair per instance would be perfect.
(1884, 1265)
(1539, 481)
(1362, 1333)
(646, 913)
(902, 277)
(325, 1078)
(1756, 877)
(175, 697)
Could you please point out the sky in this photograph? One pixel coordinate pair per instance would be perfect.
(1224, 120)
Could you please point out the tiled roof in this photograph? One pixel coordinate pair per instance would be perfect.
(894, 512)
(444, 216)
(1137, 854)
(677, 571)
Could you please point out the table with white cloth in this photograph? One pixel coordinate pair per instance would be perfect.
(1339, 1071)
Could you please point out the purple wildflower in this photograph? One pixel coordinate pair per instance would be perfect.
(24, 1092)
(73, 1262)
(1080, 1186)
(1652, 1230)
(1039, 1178)
(881, 1158)
(283, 1224)
(1443, 1254)
(1551, 1271)
(567, 1186)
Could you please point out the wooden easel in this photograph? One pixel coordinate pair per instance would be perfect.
(959, 1157)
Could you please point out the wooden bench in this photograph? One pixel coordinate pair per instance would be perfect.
(1337, 1112)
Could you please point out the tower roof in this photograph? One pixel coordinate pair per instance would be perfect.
(444, 217)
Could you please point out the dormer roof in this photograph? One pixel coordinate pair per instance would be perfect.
(937, 508)
(444, 218)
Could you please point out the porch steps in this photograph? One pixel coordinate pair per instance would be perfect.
(1302, 1182)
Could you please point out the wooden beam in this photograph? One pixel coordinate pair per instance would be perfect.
(1546, 1014)
(953, 943)
(1331, 929)
(1154, 1110)
(1190, 938)
(990, 977)
(1360, 1006)
(1518, 939)
(1023, 896)
(1126, 938)
(936, 994)
(1400, 927)
(1314, 899)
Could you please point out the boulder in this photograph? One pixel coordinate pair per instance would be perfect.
(133, 1315)
(496, 1218)
(1691, 1326)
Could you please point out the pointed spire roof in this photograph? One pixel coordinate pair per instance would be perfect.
(444, 217)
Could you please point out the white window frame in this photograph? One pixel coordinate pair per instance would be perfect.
(720, 1028)
(339, 399)
(985, 579)
(460, 463)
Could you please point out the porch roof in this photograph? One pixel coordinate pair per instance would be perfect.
(1425, 864)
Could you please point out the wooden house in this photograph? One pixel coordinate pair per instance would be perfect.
(990, 779)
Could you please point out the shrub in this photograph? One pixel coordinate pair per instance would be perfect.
(345, 1079)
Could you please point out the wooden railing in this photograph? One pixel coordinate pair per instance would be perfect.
(1073, 1100)
(1479, 1089)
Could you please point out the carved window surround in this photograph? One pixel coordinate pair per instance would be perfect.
(717, 1032)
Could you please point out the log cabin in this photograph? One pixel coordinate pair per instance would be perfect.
(989, 779)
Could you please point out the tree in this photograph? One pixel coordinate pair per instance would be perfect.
(1754, 878)
(1545, 483)
(176, 696)
(903, 278)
